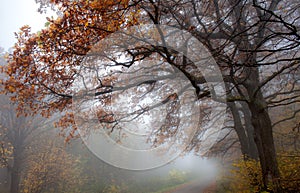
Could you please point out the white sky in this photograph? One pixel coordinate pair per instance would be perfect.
(16, 13)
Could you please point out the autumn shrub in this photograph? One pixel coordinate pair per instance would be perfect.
(289, 166)
(52, 170)
(177, 177)
(114, 187)
(247, 177)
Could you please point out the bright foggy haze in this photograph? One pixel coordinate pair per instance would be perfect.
(203, 170)
(16, 13)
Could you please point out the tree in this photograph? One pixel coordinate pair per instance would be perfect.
(97, 20)
(12, 139)
(245, 38)
(16, 134)
(253, 44)
(52, 169)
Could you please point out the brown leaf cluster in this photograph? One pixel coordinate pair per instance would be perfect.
(43, 66)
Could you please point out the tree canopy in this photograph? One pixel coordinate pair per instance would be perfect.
(254, 43)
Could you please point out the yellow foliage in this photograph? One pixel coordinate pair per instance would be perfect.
(289, 166)
(52, 170)
(247, 178)
(6, 148)
(114, 188)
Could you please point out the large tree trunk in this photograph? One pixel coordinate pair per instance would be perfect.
(244, 132)
(17, 163)
(15, 173)
(15, 181)
(263, 134)
(253, 152)
(265, 144)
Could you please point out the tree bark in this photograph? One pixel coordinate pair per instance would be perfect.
(253, 152)
(17, 163)
(15, 174)
(263, 133)
(15, 177)
(244, 132)
(266, 148)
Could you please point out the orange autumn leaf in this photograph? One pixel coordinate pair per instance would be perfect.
(45, 63)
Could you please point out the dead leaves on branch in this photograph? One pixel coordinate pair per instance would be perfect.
(43, 65)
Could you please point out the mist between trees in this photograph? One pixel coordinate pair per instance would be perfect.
(97, 56)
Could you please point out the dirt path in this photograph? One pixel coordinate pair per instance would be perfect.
(194, 187)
